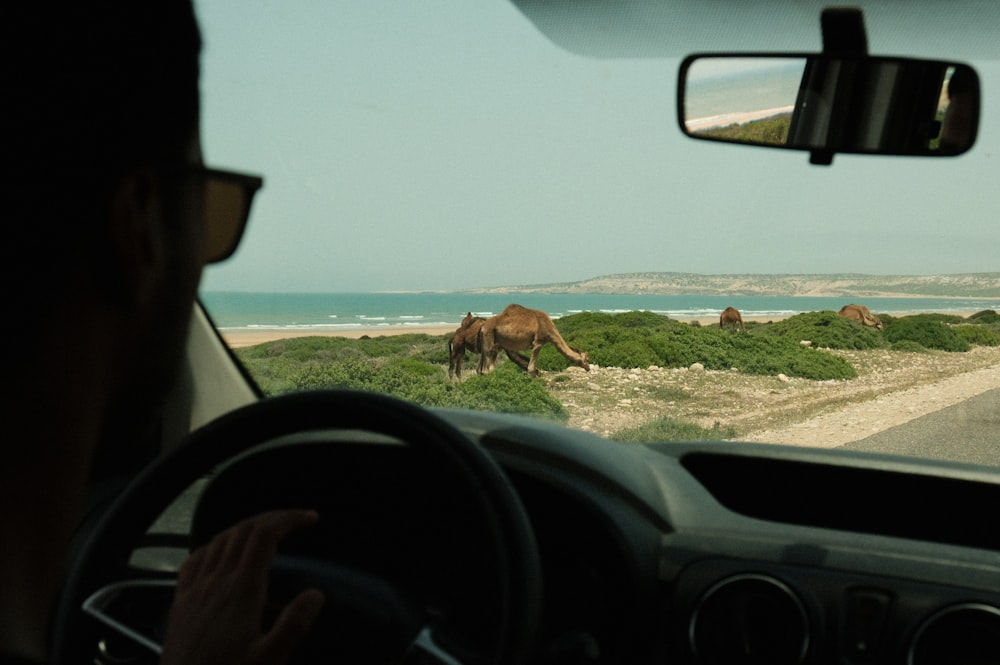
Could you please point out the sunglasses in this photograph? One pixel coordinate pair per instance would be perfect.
(227, 199)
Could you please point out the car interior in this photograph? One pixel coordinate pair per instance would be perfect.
(459, 536)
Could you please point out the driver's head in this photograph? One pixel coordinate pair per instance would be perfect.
(100, 259)
(960, 119)
(100, 115)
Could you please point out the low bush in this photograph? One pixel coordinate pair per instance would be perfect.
(640, 339)
(938, 317)
(331, 362)
(980, 335)
(508, 389)
(670, 429)
(908, 345)
(928, 332)
(827, 329)
(987, 316)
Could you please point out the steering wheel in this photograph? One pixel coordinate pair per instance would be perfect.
(101, 570)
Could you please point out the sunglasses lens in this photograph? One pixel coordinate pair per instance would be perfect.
(227, 206)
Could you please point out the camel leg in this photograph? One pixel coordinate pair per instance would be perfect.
(521, 361)
(484, 340)
(490, 358)
(533, 363)
(487, 359)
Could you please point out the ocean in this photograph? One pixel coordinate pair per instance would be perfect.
(364, 311)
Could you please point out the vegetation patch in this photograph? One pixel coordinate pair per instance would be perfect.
(980, 335)
(987, 316)
(642, 339)
(413, 368)
(670, 429)
(927, 331)
(773, 130)
(826, 329)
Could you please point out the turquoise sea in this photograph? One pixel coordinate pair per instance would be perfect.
(363, 311)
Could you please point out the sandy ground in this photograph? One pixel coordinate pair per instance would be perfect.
(240, 337)
(858, 420)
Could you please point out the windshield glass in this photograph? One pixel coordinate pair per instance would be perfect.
(425, 162)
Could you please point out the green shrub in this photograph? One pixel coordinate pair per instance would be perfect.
(670, 429)
(986, 316)
(568, 325)
(772, 130)
(980, 335)
(413, 368)
(926, 331)
(938, 317)
(628, 353)
(908, 345)
(827, 329)
(508, 389)
(645, 339)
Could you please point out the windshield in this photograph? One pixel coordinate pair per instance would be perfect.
(428, 162)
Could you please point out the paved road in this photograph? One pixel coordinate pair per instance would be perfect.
(966, 432)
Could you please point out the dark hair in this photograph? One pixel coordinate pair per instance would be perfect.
(963, 79)
(92, 88)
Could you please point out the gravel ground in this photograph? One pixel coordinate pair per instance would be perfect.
(892, 387)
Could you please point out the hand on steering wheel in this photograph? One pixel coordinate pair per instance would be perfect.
(102, 568)
(224, 583)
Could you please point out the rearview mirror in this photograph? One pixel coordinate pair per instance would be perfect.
(830, 104)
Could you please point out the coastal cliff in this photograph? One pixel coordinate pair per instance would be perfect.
(966, 285)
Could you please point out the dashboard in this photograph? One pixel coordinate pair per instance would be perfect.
(724, 552)
(713, 552)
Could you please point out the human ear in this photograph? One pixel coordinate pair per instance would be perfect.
(137, 238)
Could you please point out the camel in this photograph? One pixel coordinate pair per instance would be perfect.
(466, 338)
(862, 315)
(518, 328)
(731, 317)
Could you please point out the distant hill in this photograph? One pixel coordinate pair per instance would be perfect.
(965, 285)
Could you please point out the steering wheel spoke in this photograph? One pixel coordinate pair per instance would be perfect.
(133, 609)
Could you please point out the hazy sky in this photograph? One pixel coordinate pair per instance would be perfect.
(437, 144)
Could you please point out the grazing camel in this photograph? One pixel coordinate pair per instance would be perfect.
(518, 328)
(466, 338)
(731, 317)
(862, 315)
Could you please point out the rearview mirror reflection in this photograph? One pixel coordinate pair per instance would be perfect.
(874, 105)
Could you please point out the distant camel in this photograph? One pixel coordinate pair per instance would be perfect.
(466, 338)
(518, 328)
(731, 317)
(862, 315)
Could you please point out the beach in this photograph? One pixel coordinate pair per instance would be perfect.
(240, 337)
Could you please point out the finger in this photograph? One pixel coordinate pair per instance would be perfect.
(192, 567)
(212, 552)
(291, 626)
(267, 530)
